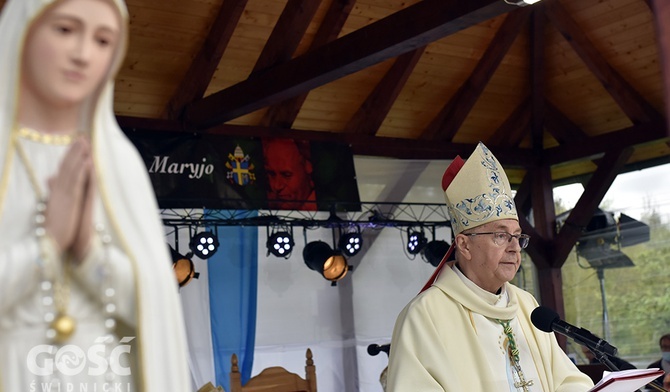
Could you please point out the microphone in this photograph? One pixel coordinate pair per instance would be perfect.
(545, 319)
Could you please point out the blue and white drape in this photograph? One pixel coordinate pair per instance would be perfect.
(220, 307)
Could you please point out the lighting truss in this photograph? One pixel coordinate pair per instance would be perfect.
(372, 215)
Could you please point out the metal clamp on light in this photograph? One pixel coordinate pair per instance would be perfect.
(521, 3)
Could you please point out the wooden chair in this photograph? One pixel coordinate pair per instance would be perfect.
(275, 379)
(209, 387)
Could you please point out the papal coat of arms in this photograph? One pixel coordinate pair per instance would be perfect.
(240, 168)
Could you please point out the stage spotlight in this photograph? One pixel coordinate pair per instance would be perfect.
(350, 243)
(416, 240)
(183, 267)
(434, 251)
(320, 257)
(521, 3)
(280, 244)
(204, 244)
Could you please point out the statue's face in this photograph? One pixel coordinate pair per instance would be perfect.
(68, 51)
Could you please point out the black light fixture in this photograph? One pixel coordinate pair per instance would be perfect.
(320, 257)
(434, 251)
(204, 244)
(521, 3)
(604, 236)
(351, 243)
(183, 267)
(280, 244)
(600, 244)
(416, 240)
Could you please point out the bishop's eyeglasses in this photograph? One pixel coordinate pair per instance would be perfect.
(502, 237)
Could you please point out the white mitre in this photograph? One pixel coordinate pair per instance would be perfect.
(477, 191)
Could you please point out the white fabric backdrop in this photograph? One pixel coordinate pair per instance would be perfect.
(195, 305)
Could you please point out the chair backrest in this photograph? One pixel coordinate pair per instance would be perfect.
(209, 387)
(275, 379)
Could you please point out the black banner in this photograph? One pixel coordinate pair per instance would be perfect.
(190, 170)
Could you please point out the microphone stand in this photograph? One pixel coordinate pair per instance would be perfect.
(605, 360)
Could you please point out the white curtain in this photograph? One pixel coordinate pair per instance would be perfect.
(195, 305)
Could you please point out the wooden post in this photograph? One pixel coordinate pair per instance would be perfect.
(661, 10)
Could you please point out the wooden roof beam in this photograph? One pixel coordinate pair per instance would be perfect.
(406, 30)
(537, 78)
(194, 84)
(538, 247)
(283, 114)
(512, 130)
(287, 33)
(370, 116)
(447, 122)
(561, 127)
(630, 101)
(661, 10)
(631, 136)
(361, 144)
(608, 168)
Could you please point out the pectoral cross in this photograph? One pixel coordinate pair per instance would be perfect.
(523, 383)
(513, 352)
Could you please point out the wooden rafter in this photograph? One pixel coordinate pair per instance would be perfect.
(372, 112)
(537, 78)
(512, 130)
(630, 101)
(201, 70)
(608, 168)
(560, 126)
(287, 33)
(576, 149)
(362, 144)
(284, 113)
(406, 30)
(661, 10)
(447, 122)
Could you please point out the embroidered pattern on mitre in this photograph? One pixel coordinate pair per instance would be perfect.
(480, 193)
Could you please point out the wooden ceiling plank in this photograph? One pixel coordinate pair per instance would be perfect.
(406, 30)
(370, 116)
(630, 101)
(447, 122)
(287, 33)
(631, 136)
(284, 113)
(560, 126)
(194, 84)
(608, 168)
(511, 131)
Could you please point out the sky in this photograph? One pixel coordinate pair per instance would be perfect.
(631, 193)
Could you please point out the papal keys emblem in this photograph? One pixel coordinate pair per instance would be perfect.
(240, 169)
